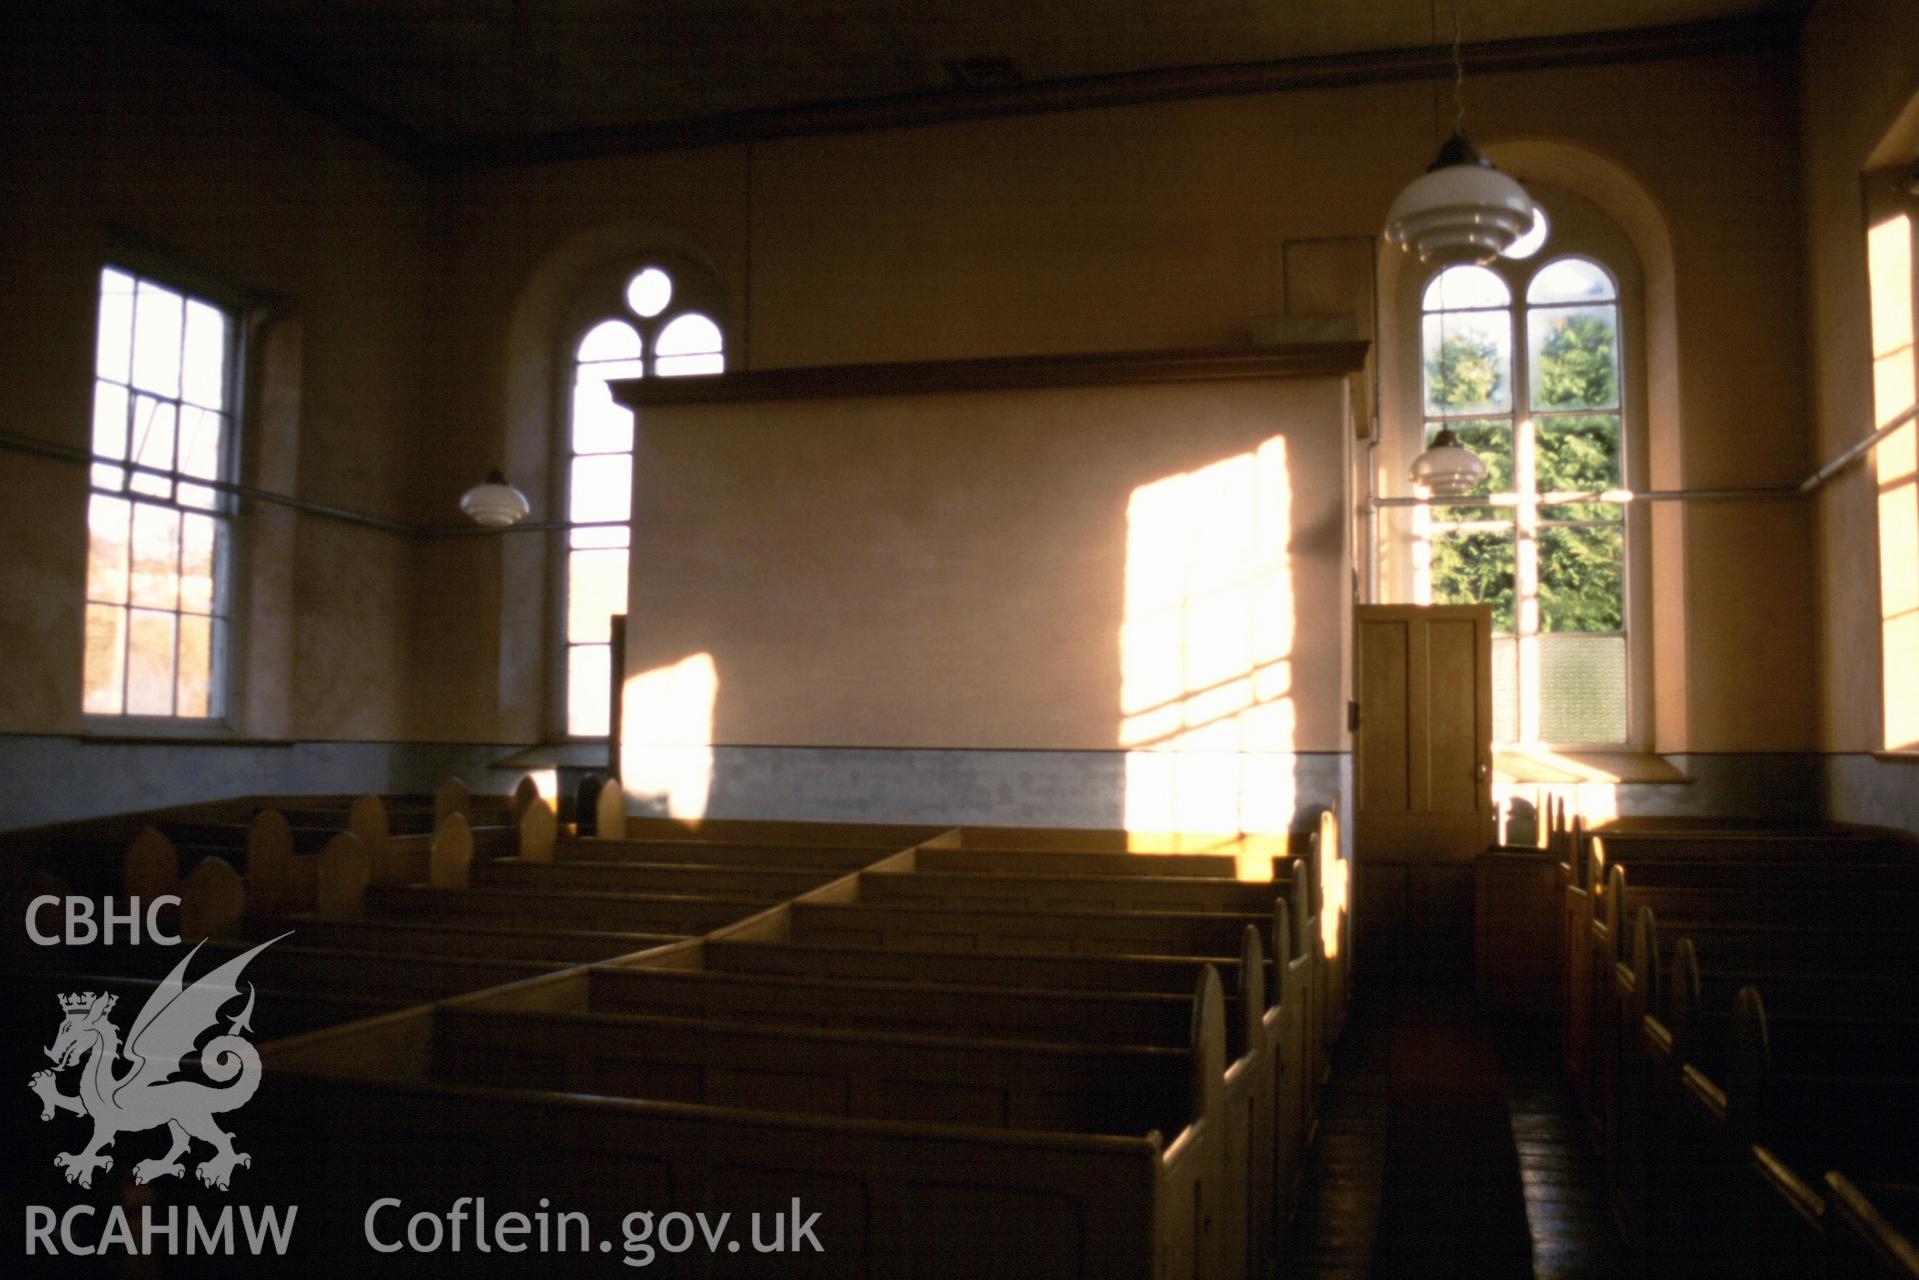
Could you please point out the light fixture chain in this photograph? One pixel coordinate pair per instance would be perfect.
(1459, 77)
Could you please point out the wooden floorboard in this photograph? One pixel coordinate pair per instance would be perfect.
(1353, 1172)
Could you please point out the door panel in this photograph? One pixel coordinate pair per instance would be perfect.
(1422, 757)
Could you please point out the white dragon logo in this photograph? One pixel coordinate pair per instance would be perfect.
(146, 1096)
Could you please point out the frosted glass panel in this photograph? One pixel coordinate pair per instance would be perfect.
(1582, 692)
(1505, 689)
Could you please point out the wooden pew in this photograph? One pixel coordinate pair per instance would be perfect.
(1863, 1241)
(1074, 933)
(369, 1107)
(1829, 1082)
(714, 854)
(1285, 1074)
(518, 1038)
(881, 838)
(1123, 1017)
(761, 882)
(533, 908)
(1034, 891)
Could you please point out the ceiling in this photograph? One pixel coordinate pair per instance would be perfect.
(465, 81)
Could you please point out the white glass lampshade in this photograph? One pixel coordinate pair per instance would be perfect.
(1447, 469)
(1460, 210)
(495, 503)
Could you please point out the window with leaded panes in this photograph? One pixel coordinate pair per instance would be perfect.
(157, 596)
(1523, 364)
(659, 328)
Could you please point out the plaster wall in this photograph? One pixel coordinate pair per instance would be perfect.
(1168, 225)
(1860, 65)
(120, 141)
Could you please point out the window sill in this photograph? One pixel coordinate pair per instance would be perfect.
(579, 753)
(1561, 767)
(159, 731)
(1897, 757)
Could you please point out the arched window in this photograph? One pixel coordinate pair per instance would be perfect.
(655, 319)
(1523, 361)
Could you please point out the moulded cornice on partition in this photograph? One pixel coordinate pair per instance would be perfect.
(998, 373)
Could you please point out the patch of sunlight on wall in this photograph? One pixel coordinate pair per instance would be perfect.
(666, 737)
(1896, 472)
(547, 783)
(1207, 715)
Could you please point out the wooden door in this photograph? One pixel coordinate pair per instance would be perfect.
(1422, 780)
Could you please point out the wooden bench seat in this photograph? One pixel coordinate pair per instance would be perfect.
(1799, 992)
(1724, 945)
(873, 1074)
(1055, 862)
(715, 854)
(876, 837)
(407, 976)
(461, 937)
(1818, 1042)
(1753, 846)
(900, 964)
(279, 1011)
(1156, 1018)
(1098, 892)
(615, 912)
(1814, 876)
(1071, 933)
(771, 884)
(1879, 908)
